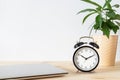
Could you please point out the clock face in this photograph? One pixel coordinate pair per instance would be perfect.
(86, 58)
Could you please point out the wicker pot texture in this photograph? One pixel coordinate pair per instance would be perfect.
(107, 50)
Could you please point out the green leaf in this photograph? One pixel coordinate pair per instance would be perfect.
(87, 16)
(98, 9)
(116, 6)
(107, 9)
(115, 29)
(105, 29)
(99, 20)
(111, 14)
(104, 5)
(85, 10)
(118, 23)
(91, 2)
(109, 0)
(117, 17)
(95, 26)
(107, 4)
(112, 26)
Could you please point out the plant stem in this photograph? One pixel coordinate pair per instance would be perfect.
(91, 28)
(90, 31)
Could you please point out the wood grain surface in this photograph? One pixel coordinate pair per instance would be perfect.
(101, 73)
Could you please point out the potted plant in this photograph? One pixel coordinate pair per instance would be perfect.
(107, 20)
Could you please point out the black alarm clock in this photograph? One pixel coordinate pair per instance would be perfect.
(85, 57)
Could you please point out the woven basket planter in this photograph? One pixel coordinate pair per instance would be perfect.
(107, 49)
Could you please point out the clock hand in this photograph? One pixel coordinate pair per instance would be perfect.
(83, 57)
(90, 56)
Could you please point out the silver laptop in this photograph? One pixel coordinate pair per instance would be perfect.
(30, 71)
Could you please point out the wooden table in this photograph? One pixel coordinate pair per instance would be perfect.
(101, 73)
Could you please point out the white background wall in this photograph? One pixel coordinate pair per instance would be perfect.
(41, 29)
